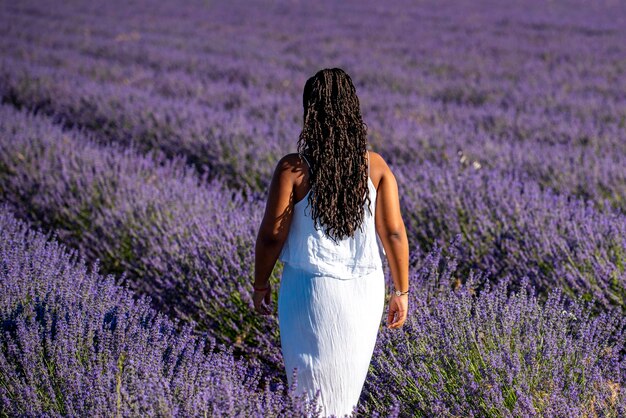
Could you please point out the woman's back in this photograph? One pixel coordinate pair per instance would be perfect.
(311, 249)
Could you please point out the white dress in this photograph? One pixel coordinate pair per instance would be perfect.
(330, 307)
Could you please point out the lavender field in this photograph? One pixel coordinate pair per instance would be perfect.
(137, 142)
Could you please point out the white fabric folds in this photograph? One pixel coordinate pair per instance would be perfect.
(328, 330)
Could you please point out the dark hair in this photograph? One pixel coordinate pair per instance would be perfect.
(333, 140)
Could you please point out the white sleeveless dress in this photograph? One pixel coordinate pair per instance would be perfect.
(330, 307)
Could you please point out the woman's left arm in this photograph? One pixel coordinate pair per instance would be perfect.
(273, 230)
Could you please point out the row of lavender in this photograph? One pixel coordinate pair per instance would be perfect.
(75, 343)
(230, 105)
(240, 146)
(509, 225)
(499, 352)
(184, 241)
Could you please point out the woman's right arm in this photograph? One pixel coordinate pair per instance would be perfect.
(392, 232)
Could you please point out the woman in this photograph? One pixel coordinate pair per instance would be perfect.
(326, 206)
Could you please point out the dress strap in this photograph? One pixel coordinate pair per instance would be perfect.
(368, 163)
(307, 162)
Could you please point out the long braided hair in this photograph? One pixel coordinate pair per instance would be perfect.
(333, 140)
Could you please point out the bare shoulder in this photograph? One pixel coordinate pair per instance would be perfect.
(376, 159)
(291, 167)
(289, 163)
(289, 160)
(378, 168)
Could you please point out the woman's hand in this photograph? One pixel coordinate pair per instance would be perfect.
(260, 296)
(398, 309)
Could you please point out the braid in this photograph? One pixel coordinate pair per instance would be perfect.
(334, 141)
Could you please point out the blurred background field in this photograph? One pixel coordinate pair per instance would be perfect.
(143, 135)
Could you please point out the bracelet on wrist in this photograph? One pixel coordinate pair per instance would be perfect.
(399, 293)
(261, 288)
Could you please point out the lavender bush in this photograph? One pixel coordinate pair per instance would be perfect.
(496, 353)
(511, 227)
(184, 241)
(73, 343)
